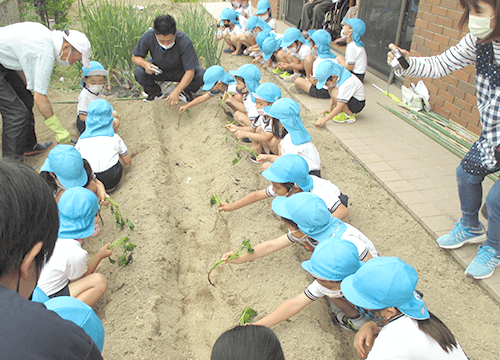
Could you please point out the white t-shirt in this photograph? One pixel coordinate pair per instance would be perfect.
(356, 55)
(236, 30)
(67, 263)
(84, 100)
(102, 152)
(243, 22)
(271, 22)
(264, 122)
(246, 12)
(352, 87)
(250, 107)
(307, 150)
(401, 339)
(302, 52)
(315, 66)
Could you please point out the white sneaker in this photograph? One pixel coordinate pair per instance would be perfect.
(254, 54)
(246, 52)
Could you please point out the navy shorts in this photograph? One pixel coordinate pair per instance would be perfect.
(355, 105)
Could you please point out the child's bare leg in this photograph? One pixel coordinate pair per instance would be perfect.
(256, 146)
(116, 123)
(308, 64)
(250, 39)
(89, 289)
(238, 97)
(227, 39)
(242, 118)
(341, 212)
(346, 307)
(281, 56)
(303, 84)
(243, 39)
(274, 145)
(333, 94)
(236, 44)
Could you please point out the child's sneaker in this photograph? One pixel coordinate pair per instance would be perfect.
(461, 235)
(153, 98)
(294, 89)
(343, 118)
(277, 71)
(292, 77)
(253, 158)
(285, 75)
(349, 324)
(246, 52)
(484, 264)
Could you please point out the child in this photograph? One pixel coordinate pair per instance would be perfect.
(270, 46)
(101, 147)
(355, 59)
(260, 132)
(66, 273)
(401, 327)
(245, 10)
(331, 262)
(288, 175)
(291, 65)
(231, 31)
(320, 41)
(288, 126)
(247, 80)
(92, 84)
(265, 13)
(249, 38)
(216, 82)
(347, 94)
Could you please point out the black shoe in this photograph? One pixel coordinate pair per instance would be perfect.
(152, 98)
(253, 158)
(39, 148)
(246, 140)
(185, 96)
(230, 114)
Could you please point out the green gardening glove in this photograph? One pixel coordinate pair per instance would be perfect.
(62, 135)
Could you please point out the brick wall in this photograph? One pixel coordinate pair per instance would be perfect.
(436, 29)
(275, 7)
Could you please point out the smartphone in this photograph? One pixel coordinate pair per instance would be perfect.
(157, 71)
(398, 55)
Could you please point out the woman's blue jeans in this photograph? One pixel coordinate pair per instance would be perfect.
(470, 192)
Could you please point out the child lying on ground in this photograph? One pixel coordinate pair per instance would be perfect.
(247, 80)
(67, 272)
(347, 93)
(355, 59)
(232, 29)
(216, 82)
(288, 126)
(93, 80)
(101, 147)
(260, 132)
(292, 63)
(289, 175)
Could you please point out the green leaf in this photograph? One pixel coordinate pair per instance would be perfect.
(235, 161)
(111, 260)
(119, 242)
(130, 225)
(123, 260)
(246, 316)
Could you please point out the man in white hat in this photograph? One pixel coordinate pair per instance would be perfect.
(28, 52)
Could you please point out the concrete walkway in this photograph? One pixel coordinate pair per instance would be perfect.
(412, 167)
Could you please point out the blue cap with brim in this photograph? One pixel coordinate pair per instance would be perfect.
(333, 260)
(67, 164)
(72, 309)
(250, 74)
(77, 207)
(309, 212)
(287, 111)
(95, 69)
(385, 282)
(261, 37)
(322, 40)
(291, 35)
(99, 121)
(268, 91)
(358, 29)
(290, 168)
(270, 46)
(231, 15)
(262, 7)
(328, 68)
(215, 74)
(39, 295)
(252, 22)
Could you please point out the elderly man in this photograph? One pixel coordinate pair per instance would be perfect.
(173, 58)
(28, 52)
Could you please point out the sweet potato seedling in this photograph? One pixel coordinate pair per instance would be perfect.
(245, 245)
(127, 246)
(120, 217)
(246, 316)
(238, 152)
(215, 200)
(187, 111)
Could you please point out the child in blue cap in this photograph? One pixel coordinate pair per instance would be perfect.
(93, 80)
(401, 327)
(215, 82)
(249, 38)
(331, 262)
(347, 93)
(247, 80)
(288, 126)
(264, 12)
(292, 63)
(288, 175)
(67, 272)
(355, 59)
(270, 46)
(260, 132)
(101, 147)
(232, 29)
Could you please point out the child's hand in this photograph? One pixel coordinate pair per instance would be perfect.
(183, 108)
(231, 127)
(255, 61)
(224, 206)
(229, 98)
(320, 122)
(363, 340)
(262, 158)
(325, 112)
(265, 166)
(240, 134)
(283, 66)
(233, 261)
(105, 252)
(266, 65)
(102, 200)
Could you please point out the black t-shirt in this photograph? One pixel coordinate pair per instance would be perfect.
(29, 331)
(174, 61)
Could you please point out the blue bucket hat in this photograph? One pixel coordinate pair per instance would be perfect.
(268, 91)
(99, 121)
(67, 163)
(333, 260)
(77, 210)
(358, 30)
(287, 111)
(290, 168)
(255, 21)
(72, 309)
(291, 35)
(262, 7)
(309, 212)
(231, 15)
(215, 74)
(385, 282)
(322, 40)
(250, 74)
(95, 69)
(261, 37)
(328, 68)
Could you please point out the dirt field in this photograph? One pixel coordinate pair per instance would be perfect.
(161, 306)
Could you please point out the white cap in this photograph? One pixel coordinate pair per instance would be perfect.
(80, 42)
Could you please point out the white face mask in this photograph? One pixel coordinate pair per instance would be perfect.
(261, 112)
(95, 89)
(480, 26)
(343, 35)
(63, 62)
(314, 52)
(166, 47)
(292, 49)
(236, 5)
(264, 17)
(330, 293)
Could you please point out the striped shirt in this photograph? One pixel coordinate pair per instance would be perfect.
(466, 52)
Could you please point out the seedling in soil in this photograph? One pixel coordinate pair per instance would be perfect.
(126, 257)
(246, 316)
(187, 111)
(120, 217)
(215, 200)
(238, 155)
(245, 245)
